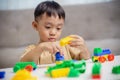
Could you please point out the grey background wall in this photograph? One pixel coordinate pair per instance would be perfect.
(98, 24)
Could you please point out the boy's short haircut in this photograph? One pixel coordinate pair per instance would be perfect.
(51, 8)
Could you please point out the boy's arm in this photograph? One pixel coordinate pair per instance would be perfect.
(31, 53)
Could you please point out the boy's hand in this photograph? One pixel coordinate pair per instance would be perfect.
(77, 41)
(53, 47)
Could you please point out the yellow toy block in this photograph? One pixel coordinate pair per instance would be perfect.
(95, 58)
(23, 75)
(62, 72)
(65, 41)
(59, 62)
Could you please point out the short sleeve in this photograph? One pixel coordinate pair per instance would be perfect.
(27, 49)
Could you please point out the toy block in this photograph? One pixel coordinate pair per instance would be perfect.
(2, 74)
(23, 75)
(101, 59)
(29, 68)
(116, 69)
(100, 55)
(59, 57)
(110, 57)
(106, 51)
(73, 72)
(65, 41)
(96, 68)
(97, 50)
(68, 68)
(22, 65)
(96, 77)
(62, 72)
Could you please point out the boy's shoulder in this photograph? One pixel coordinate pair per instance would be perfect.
(29, 47)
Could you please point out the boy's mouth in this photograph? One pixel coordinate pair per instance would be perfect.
(51, 39)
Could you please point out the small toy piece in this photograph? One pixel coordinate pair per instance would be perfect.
(65, 41)
(59, 58)
(116, 69)
(2, 74)
(23, 65)
(96, 70)
(23, 75)
(68, 68)
(102, 55)
(29, 68)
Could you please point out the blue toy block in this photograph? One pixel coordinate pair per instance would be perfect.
(106, 51)
(2, 74)
(97, 54)
(59, 57)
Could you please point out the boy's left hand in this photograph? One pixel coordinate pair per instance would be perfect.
(77, 41)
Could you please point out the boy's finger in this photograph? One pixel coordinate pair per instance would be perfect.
(60, 49)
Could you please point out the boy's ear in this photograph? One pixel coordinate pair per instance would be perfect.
(34, 24)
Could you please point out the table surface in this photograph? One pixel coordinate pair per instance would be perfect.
(106, 71)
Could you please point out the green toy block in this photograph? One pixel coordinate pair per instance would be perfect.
(97, 50)
(22, 65)
(96, 69)
(116, 70)
(76, 67)
(73, 72)
(78, 64)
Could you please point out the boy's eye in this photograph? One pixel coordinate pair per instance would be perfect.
(47, 27)
(58, 28)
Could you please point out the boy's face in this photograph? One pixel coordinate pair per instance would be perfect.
(49, 28)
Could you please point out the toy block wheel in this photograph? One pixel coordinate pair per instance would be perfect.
(29, 68)
(101, 59)
(94, 60)
(110, 57)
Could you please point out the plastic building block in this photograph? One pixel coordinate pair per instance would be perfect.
(65, 41)
(23, 75)
(96, 77)
(73, 72)
(100, 55)
(96, 70)
(29, 68)
(62, 72)
(2, 74)
(101, 59)
(59, 57)
(22, 65)
(67, 68)
(116, 69)
(110, 57)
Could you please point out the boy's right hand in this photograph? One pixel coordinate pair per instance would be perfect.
(52, 47)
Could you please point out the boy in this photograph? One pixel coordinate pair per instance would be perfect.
(49, 21)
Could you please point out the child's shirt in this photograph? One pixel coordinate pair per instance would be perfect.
(46, 57)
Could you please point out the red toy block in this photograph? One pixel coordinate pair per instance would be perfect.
(29, 68)
(101, 59)
(110, 57)
(96, 76)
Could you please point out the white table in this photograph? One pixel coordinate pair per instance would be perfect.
(106, 73)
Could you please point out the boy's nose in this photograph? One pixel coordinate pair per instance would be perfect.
(53, 32)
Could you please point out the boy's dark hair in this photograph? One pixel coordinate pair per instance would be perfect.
(50, 8)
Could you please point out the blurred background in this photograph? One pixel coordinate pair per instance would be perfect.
(97, 21)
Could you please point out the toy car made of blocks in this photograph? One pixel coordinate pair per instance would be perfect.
(67, 68)
(100, 55)
(24, 65)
